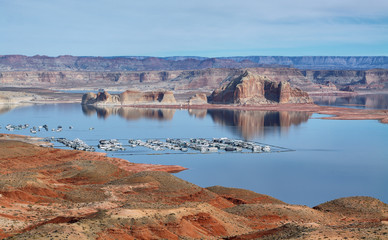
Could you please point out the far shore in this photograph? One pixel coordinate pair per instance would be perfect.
(44, 96)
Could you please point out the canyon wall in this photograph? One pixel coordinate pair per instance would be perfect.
(206, 79)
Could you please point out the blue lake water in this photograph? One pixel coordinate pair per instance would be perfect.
(369, 101)
(332, 158)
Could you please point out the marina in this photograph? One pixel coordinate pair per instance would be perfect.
(165, 145)
(202, 145)
(168, 145)
(307, 154)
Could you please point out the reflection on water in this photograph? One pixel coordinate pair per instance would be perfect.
(198, 113)
(370, 101)
(256, 123)
(129, 113)
(6, 108)
(247, 124)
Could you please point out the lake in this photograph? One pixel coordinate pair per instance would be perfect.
(330, 158)
(369, 101)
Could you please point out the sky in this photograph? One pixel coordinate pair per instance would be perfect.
(209, 28)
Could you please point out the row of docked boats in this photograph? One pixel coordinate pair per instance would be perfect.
(201, 144)
(76, 144)
(110, 145)
(196, 144)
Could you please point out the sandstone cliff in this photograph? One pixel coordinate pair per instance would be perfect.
(128, 97)
(204, 79)
(250, 88)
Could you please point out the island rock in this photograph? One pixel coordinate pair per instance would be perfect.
(128, 97)
(250, 88)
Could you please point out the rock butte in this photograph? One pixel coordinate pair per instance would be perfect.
(128, 97)
(51, 193)
(252, 89)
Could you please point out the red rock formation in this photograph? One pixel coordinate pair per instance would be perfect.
(250, 88)
(128, 97)
(136, 97)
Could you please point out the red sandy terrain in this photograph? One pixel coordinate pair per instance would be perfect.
(48, 193)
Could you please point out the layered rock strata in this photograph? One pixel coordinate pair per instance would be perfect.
(206, 79)
(75, 63)
(250, 88)
(128, 97)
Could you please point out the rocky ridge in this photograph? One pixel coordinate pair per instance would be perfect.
(183, 80)
(75, 63)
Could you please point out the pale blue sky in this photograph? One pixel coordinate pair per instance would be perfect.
(210, 28)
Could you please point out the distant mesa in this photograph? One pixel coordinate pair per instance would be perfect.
(250, 88)
(128, 97)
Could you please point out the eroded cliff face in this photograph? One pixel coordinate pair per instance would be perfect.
(250, 88)
(377, 78)
(128, 97)
(137, 97)
(205, 79)
(373, 78)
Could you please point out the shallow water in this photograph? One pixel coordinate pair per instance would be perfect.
(332, 158)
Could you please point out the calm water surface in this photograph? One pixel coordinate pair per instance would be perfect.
(369, 101)
(332, 158)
